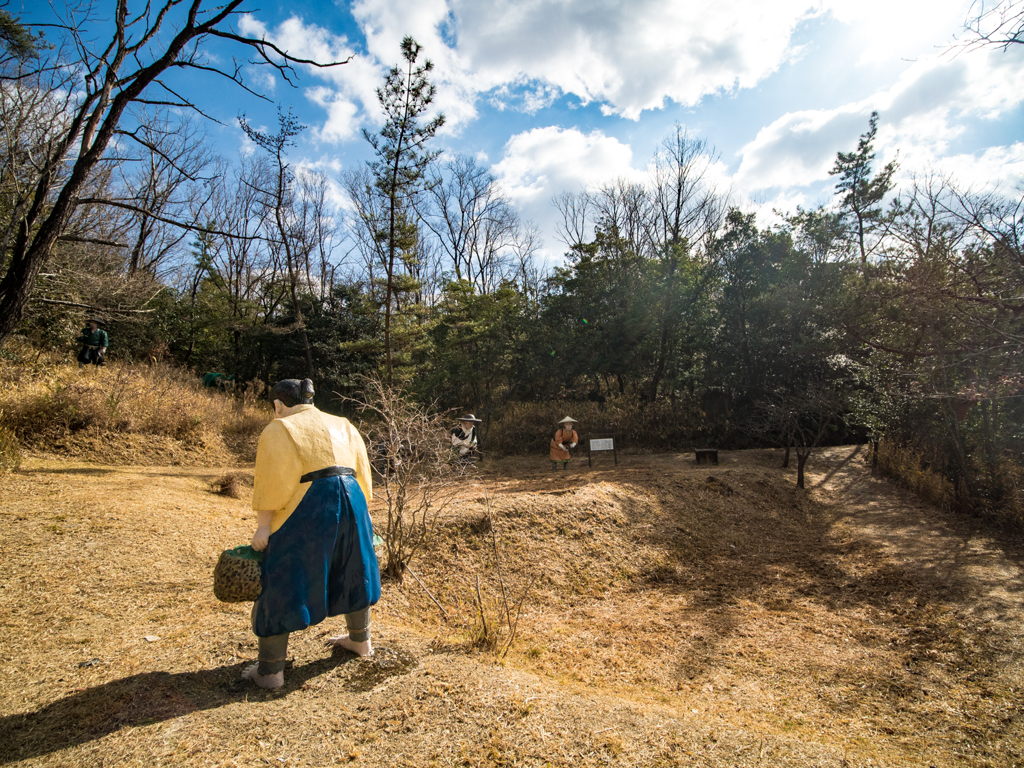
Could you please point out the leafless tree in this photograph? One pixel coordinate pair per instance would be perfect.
(368, 211)
(688, 206)
(34, 112)
(317, 231)
(668, 221)
(243, 266)
(576, 225)
(528, 275)
(626, 208)
(410, 449)
(475, 225)
(162, 182)
(999, 24)
(689, 211)
(290, 230)
(677, 203)
(100, 70)
(797, 421)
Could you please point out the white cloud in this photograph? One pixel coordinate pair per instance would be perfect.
(923, 112)
(349, 97)
(798, 148)
(630, 57)
(342, 115)
(544, 162)
(528, 97)
(888, 30)
(996, 167)
(386, 22)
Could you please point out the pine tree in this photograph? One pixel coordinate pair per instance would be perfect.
(400, 168)
(861, 194)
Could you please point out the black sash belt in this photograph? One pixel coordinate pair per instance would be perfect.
(309, 477)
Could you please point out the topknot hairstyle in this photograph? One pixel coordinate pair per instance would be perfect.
(292, 392)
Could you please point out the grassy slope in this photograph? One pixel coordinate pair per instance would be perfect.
(123, 413)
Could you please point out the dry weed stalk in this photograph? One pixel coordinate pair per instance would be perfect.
(489, 633)
(10, 449)
(410, 449)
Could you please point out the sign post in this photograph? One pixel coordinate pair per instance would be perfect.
(601, 443)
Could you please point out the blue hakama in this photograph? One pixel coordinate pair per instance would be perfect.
(320, 562)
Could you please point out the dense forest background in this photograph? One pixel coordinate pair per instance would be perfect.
(893, 314)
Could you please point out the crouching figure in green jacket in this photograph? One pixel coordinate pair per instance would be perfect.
(94, 343)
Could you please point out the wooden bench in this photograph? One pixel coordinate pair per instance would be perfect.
(707, 455)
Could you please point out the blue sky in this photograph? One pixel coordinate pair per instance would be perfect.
(559, 95)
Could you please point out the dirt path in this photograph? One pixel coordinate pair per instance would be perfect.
(683, 616)
(913, 534)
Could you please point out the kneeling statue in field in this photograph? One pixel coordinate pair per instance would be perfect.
(310, 493)
(564, 439)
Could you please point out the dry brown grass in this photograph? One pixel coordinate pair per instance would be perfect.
(908, 467)
(998, 497)
(641, 427)
(697, 616)
(10, 448)
(124, 412)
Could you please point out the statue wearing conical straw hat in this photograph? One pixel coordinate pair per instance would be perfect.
(564, 440)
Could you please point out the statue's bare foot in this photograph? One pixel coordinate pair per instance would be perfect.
(359, 649)
(270, 682)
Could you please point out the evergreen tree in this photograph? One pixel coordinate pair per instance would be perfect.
(860, 192)
(15, 40)
(399, 172)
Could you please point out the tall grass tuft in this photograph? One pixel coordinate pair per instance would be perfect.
(909, 468)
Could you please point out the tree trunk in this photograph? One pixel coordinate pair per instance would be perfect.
(801, 461)
(94, 124)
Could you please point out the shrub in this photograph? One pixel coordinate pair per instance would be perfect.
(410, 449)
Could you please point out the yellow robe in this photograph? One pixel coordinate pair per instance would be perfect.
(305, 441)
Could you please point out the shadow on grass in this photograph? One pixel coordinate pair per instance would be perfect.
(925, 575)
(141, 700)
(68, 471)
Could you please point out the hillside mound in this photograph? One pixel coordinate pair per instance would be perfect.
(665, 614)
(123, 414)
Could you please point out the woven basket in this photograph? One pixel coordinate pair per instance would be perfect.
(236, 578)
